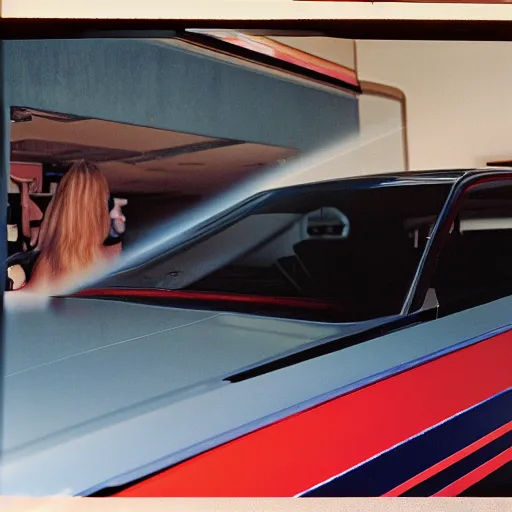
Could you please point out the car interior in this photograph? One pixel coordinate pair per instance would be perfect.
(327, 242)
(357, 248)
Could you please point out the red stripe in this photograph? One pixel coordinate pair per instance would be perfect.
(436, 468)
(487, 179)
(465, 482)
(211, 297)
(305, 449)
(293, 56)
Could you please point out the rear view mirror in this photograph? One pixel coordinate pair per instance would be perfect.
(326, 223)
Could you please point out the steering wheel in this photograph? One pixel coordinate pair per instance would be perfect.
(19, 269)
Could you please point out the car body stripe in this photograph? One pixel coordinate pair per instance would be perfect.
(436, 468)
(213, 297)
(406, 441)
(463, 483)
(386, 471)
(496, 484)
(461, 468)
(312, 446)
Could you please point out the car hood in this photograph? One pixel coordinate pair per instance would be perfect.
(79, 360)
(101, 393)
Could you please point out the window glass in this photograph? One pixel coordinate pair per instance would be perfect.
(346, 253)
(474, 264)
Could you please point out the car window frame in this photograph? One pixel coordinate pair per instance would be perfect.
(425, 272)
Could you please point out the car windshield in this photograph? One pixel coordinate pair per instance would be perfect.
(329, 251)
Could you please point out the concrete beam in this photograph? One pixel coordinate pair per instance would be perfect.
(142, 83)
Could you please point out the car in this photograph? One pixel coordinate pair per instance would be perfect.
(347, 337)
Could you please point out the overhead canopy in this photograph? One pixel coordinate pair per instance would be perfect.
(140, 158)
(146, 83)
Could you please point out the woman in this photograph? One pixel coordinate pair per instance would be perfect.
(76, 225)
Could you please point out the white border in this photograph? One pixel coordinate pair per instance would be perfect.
(252, 10)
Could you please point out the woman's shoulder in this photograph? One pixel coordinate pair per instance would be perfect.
(112, 251)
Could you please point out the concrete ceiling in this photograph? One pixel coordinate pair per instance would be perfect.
(155, 160)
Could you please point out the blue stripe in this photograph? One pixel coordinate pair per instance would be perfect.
(392, 468)
(460, 468)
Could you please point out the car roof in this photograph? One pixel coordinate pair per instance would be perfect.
(429, 175)
(396, 178)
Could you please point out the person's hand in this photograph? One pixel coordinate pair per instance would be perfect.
(116, 214)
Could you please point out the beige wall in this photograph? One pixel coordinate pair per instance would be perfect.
(381, 145)
(459, 97)
(381, 129)
(458, 94)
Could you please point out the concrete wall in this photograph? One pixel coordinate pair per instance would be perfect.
(138, 82)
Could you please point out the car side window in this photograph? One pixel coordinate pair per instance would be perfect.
(474, 265)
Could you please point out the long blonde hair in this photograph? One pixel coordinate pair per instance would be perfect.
(75, 225)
